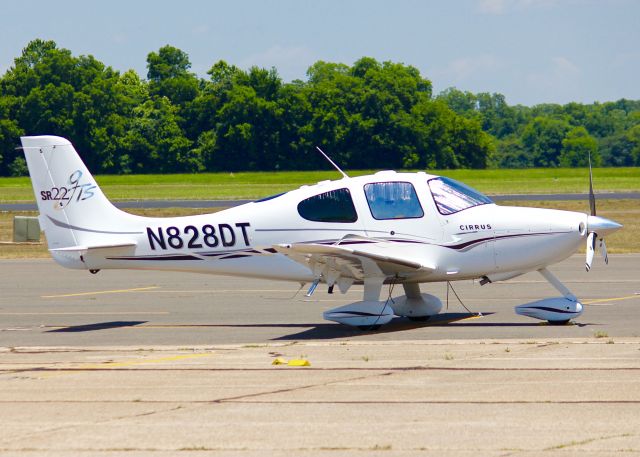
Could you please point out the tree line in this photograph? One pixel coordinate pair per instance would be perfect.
(368, 115)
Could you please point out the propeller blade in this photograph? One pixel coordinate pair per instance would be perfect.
(591, 245)
(603, 251)
(592, 197)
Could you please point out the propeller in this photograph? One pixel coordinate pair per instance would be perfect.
(591, 244)
(593, 236)
(597, 225)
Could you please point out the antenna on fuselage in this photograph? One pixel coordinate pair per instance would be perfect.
(331, 162)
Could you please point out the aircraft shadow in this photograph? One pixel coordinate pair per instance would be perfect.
(331, 331)
(324, 331)
(96, 326)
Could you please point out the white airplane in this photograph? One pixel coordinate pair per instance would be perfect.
(385, 228)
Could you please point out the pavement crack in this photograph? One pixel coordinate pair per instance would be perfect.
(443, 402)
(587, 441)
(106, 367)
(148, 413)
(238, 398)
(247, 399)
(60, 428)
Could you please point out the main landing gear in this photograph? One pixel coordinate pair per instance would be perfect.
(371, 312)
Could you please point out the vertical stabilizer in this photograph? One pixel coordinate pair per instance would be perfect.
(73, 209)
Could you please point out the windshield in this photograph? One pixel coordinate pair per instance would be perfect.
(452, 196)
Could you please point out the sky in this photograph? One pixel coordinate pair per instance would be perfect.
(532, 51)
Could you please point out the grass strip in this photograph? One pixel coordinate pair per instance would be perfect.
(252, 185)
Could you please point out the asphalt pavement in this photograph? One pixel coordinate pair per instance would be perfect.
(46, 305)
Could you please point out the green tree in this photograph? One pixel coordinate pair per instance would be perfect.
(633, 137)
(11, 160)
(155, 142)
(169, 76)
(577, 147)
(368, 115)
(201, 115)
(248, 133)
(442, 139)
(10, 131)
(463, 103)
(542, 138)
(49, 91)
(358, 112)
(497, 117)
(510, 153)
(617, 150)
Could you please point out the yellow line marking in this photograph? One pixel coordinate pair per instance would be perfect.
(129, 363)
(600, 300)
(101, 292)
(458, 319)
(124, 313)
(126, 363)
(222, 291)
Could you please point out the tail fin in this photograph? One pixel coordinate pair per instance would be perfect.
(70, 202)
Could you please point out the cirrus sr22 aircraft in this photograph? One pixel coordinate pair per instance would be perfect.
(385, 228)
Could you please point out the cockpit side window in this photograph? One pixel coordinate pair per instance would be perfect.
(333, 206)
(452, 196)
(393, 200)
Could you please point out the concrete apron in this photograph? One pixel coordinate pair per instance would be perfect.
(484, 397)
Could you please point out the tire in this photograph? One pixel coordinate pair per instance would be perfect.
(418, 318)
(564, 322)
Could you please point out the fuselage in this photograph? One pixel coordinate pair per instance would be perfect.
(387, 227)
(425, 216)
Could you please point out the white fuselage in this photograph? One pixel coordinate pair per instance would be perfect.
(485, 240)
(383, 228)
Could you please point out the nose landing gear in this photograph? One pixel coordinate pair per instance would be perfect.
(557, 310)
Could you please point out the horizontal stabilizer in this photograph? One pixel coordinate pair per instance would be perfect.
(94, 247)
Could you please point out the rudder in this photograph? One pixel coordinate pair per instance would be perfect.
(70, 202)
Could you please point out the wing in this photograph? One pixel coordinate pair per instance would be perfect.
(335, 262)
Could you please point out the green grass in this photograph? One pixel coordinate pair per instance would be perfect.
(251, 185)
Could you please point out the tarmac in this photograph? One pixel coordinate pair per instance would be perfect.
(147, 363)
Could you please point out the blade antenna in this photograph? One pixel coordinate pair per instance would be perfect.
(592, 197)
(331, 162)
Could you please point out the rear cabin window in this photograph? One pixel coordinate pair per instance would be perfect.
(393, 200)
(333, 206)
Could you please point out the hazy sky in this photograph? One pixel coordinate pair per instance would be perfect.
(532, 51)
